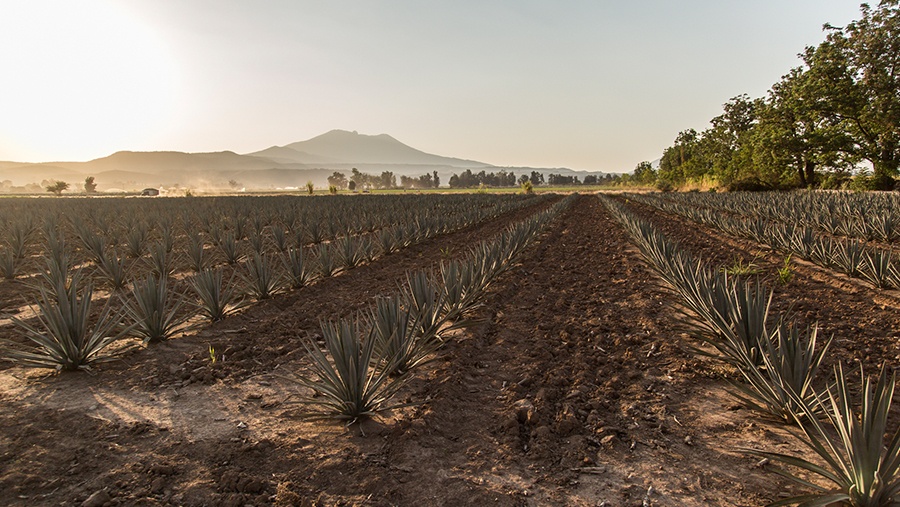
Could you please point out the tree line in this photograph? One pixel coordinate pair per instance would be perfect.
(832, 122)
(502, 178)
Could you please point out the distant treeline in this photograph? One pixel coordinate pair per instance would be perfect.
(387, 179)
(502, 178)
(815, 127)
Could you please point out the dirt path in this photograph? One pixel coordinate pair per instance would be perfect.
(573, 390)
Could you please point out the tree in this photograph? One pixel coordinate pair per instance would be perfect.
(338, 180)
(352, 186)
(679, 161)
(387, 180)
(726, 145)
(792, 138)
(234, 184)
(437, 179)
(89, 186)
(855, 73)
(57, 187)
(644, 174)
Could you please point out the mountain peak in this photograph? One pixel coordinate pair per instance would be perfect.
(351, 147)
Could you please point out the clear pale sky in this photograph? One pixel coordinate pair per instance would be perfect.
(594, 85)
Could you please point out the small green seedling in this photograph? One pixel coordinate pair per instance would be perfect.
(786, 273)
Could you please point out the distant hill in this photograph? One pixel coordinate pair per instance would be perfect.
(284, 155)
(154, 162)
(291, 165)
(341, 146)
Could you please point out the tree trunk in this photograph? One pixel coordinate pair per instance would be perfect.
(801, 172)
(810, 169)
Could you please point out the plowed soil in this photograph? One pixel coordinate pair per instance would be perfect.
(574, 388)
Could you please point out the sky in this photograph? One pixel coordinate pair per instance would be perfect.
(590, 85)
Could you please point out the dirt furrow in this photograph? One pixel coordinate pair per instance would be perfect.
(574, 389)
(864, 321)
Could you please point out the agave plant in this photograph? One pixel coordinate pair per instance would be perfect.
(790, 363)
(347, 385)
(386, 241)
(154, 312)
(425, 302)
(315, 232)
(136, 239)
(64, 337)
(849, 257)
(114, 269)
(878, 267)
(256, 241)
(398, 347)
(367, 249)
(230, 248)
(262, 278)
(861, 459)
(196, 253)
(217, 299)
(18, 236)
(351, 255)
(9, 264)
(161, 260)
(326, 260)
(279, 236)
(299, 272)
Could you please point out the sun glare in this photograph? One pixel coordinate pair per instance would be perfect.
(79, 79)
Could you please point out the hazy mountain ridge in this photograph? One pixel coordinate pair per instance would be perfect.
(353, 148)
(291, 165)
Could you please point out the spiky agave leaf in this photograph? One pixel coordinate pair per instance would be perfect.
(326, 259)
(154, 312)
(114, 269)
(262, 278)
(861, 460)
(348, 385)
(790, 363)
(299, 271)
(394, 332)
(217, 298)
(64, 338)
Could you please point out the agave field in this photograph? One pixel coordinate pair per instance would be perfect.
(627, 349)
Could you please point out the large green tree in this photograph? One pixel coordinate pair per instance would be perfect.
(855, 73)
(793, 138)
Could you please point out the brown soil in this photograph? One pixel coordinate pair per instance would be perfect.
(574, 389)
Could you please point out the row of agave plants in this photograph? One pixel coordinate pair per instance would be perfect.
(215, 230)
(852, 257)
(362, 361)
(70, 333)
(865, 216)
(779, 366)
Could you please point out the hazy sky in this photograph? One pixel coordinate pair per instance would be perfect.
(596, 85)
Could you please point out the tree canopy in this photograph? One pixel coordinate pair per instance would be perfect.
(839, 108)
